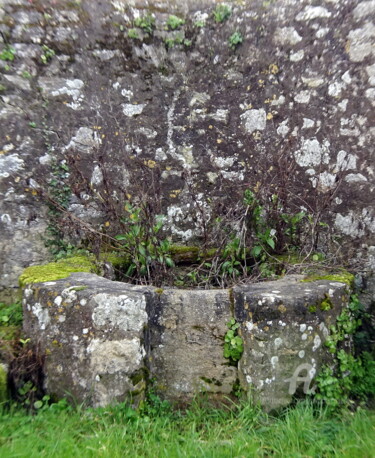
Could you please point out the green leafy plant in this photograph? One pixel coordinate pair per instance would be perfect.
(235, 39)
(149, 252)
(146, 23)
(133, 33)
(177, 40)
(233, 343)
(10, 315)
(8, 54)
(352, 377)
(174, 22)
(47, 55)
(222, 12)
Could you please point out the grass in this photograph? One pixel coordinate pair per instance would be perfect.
(303, 431)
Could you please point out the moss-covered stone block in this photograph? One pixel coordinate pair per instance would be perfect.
(57, 270)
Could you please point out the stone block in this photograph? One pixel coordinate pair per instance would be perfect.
(284, 325)
(91, 331)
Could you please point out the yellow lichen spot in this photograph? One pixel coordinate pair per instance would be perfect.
(60, 310)
(219, 140)
(34, 193)
(48, 352)
(172, 195)
(55, 342)
(281, 308)
(103, 135)
(274, 69)
(17, 179)
(168, 168)
(257, 135)
(77, 307)
(267, 101)
(150, 164)
(210, 126)
(27, 189)
(2, 151)
(269, 116)
(128, 196)
(266, 328)
(261, 82)
(65, 102)
(7, 137)
(257, 186)
(116, 133)
(347, 46)
(248, 88)
(49, 304)
(107, 224)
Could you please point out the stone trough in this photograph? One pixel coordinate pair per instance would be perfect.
(104, 340)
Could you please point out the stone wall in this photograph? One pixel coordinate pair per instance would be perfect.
(105, 341)
(90, 116)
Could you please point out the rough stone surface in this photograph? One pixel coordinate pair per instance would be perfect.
(191, 124)
(91, 331)
(104, 340)
(186, 343)
(284, 329)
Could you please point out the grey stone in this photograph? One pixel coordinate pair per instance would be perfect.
(103, 340)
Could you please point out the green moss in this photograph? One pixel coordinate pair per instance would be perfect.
(326, 304)
(3, 384)
(341, 277)
(57, 270)
(159, 291)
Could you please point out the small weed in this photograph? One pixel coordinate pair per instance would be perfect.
(233, 343)
(235, 39)
(47, 55)
(26, 75)
(146, 23)
(177, 40)
(2, 88)
(32, 124)
(199, 24)
(133, 34)
(222, 12)
(174, 22)
(8, 54)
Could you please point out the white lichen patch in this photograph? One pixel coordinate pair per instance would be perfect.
(313, 12)
(42, 315)
(124, 312)
(283, 128)
(361, 42)
(85, 140)
(96, 177)
(131, 110)
(301, 354)
(308, 123)
(274, 361)
(335, 89)
(10, 164)
(345, 161)
(253, 120)
(302, 327)
(317, 342)
(303, 97)
(297, 56)
(355, 178)
(278, 342)
(312, 153)
(287, 36)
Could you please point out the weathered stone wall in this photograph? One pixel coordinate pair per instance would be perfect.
(195, 124)
(104, 341)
